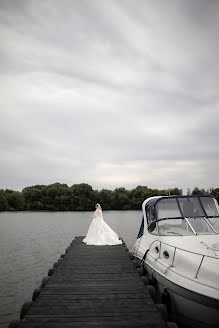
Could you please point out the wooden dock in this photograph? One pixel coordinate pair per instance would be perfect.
(92, 286)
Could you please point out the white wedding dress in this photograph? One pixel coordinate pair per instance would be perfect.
(99, 233)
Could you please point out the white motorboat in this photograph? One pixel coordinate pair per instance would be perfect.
(178, 245)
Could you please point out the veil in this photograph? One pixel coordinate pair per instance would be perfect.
(99, 210)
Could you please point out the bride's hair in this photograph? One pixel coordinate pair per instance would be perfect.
(98, 205)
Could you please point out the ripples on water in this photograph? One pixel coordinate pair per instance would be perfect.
(30, 242)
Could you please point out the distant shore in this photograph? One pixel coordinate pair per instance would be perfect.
(82, 197)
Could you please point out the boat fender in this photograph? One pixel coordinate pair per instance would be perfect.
(141, 270)
(145, 280)
(24, 309)
(67, 249)
(55, 265)
(152, 281)
(163, 311)
(50, 272)
(136, 262)
(130, 256)
(36, 293)
(125, 246)
(44, 281)
(152, 292)
(166, 299)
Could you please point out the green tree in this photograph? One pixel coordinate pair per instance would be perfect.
(32, 194)
(139, 194)
(16, 200)
(106, 198)
(175, 191)
(83, 197)
(197, 191)
(121, 199)
(215, 193)
(8, 191)
(3, 201)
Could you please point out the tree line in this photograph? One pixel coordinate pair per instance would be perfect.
(82, 197)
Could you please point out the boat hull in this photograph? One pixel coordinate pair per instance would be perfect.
(187, 308)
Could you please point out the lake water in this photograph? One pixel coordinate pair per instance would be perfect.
(30, 243)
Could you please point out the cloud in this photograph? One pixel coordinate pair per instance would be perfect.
(109, 93)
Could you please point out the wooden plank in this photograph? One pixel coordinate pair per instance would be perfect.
(48, 296)
(83, 312)
(98, 275)
(125, 288)
(108, 322)
(108, 292)
(72, 301)
(95, 303)
(69, 311)
(153, 317)
(92, 282)
(92, 270)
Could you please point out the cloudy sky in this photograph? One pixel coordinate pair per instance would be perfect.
(111, 93)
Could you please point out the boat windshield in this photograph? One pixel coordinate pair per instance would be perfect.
(212, 211)
(187, 216)
(175, 227)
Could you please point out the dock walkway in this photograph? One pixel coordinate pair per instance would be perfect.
(93, 286)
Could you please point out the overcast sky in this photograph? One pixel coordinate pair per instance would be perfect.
(111, 93)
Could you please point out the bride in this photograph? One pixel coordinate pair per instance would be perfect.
(99, 233)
